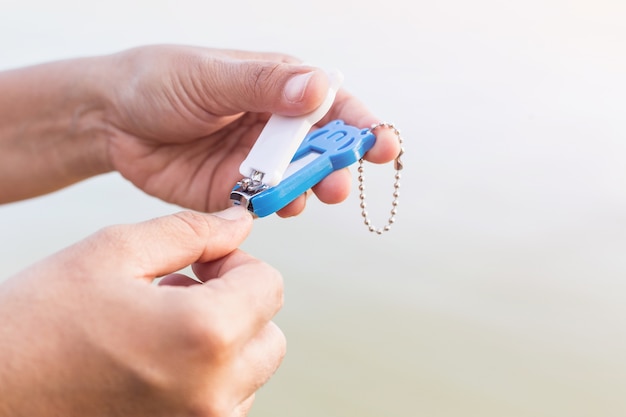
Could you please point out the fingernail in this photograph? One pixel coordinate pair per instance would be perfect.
(295, 87)
(232, 213)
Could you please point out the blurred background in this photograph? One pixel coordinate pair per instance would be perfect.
(501, 289)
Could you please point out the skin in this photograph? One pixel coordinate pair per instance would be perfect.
(83, 337)
(175, 121)
(85, 332)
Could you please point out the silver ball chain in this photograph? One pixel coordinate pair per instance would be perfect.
(396, 185)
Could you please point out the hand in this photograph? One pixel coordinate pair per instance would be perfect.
(181, 120)
(85, 333)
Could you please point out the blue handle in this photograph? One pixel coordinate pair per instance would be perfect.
(335, 146)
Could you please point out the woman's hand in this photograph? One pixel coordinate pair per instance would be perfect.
(175, 121)
(85, 333)
(183, 119)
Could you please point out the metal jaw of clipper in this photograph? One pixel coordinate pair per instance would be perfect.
(246, 189)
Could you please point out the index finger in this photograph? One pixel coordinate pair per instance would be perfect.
(240, 295)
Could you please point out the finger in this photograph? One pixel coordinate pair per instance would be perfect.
(240, 296)
(244, 407)
(295, 207)
(260, 359)
(178, 280)
(351, 110)
(335, 188)
(276, 83)
(163, 245)
(231, 86)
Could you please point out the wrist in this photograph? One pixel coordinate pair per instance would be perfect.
(52, 129)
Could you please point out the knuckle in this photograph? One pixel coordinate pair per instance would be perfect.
(271, 355)
(212, 406)
(220, 340)
(262, 78)
(115, 236)
(204, 333)
(271, 285)
(279, 342)
(276, 287)
(112, 233)
(193, 222)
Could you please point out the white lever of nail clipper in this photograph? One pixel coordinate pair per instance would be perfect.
(281, 137)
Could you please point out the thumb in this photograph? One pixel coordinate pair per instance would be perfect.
(163, 245)
(264, 86)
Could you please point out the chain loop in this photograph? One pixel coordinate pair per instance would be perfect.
(396, 185)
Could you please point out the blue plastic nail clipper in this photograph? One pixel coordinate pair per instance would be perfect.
(287, 160)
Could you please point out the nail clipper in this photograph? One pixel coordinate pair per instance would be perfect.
(287, 159)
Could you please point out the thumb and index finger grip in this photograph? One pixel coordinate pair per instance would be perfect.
(166, 244)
